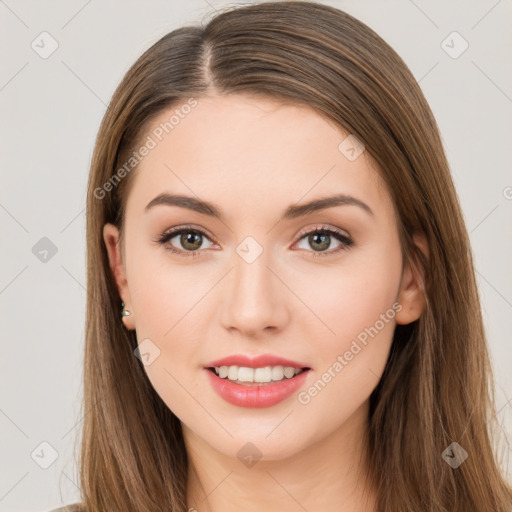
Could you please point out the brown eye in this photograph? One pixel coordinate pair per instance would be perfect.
(319, 241)
(184, 241)
(191, 241)
(322, 240)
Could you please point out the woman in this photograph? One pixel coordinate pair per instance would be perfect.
(282, 308)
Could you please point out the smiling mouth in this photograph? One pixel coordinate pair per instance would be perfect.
(265, 376)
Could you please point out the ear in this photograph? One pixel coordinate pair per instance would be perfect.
(412, 292)
(117, 267)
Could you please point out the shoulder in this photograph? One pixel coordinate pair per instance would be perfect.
(75, 507)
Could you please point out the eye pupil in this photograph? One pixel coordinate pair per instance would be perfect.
(187, 240)
(321, 239)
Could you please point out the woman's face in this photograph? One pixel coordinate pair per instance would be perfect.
(249, 276)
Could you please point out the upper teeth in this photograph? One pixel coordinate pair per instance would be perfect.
(266, 374)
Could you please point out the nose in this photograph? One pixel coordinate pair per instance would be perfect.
(254, 301)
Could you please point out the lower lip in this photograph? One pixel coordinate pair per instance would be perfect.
(255, 396)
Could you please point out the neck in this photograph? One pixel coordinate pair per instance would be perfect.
(327, 475)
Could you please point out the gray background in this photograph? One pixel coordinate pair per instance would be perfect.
(51, 110)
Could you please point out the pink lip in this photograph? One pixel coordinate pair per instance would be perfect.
(255, 396)
(255, 362)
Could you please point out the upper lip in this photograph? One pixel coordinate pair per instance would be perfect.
(255, 362)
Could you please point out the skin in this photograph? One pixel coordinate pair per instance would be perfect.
(253, 158)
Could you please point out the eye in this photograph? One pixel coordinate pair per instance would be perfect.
(321, 239)
(190, 239)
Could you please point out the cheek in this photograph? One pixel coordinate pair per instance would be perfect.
(161, 292)
(349, 297)
(358, 304)
(163, 298)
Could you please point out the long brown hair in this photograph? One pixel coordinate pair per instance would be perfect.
(437, 387)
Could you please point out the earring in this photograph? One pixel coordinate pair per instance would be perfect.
(124, 312)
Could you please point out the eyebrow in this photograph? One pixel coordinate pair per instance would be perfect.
(292, 212)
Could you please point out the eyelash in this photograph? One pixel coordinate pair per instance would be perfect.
(346, 241)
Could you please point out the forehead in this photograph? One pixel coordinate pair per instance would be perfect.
(249, 150)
